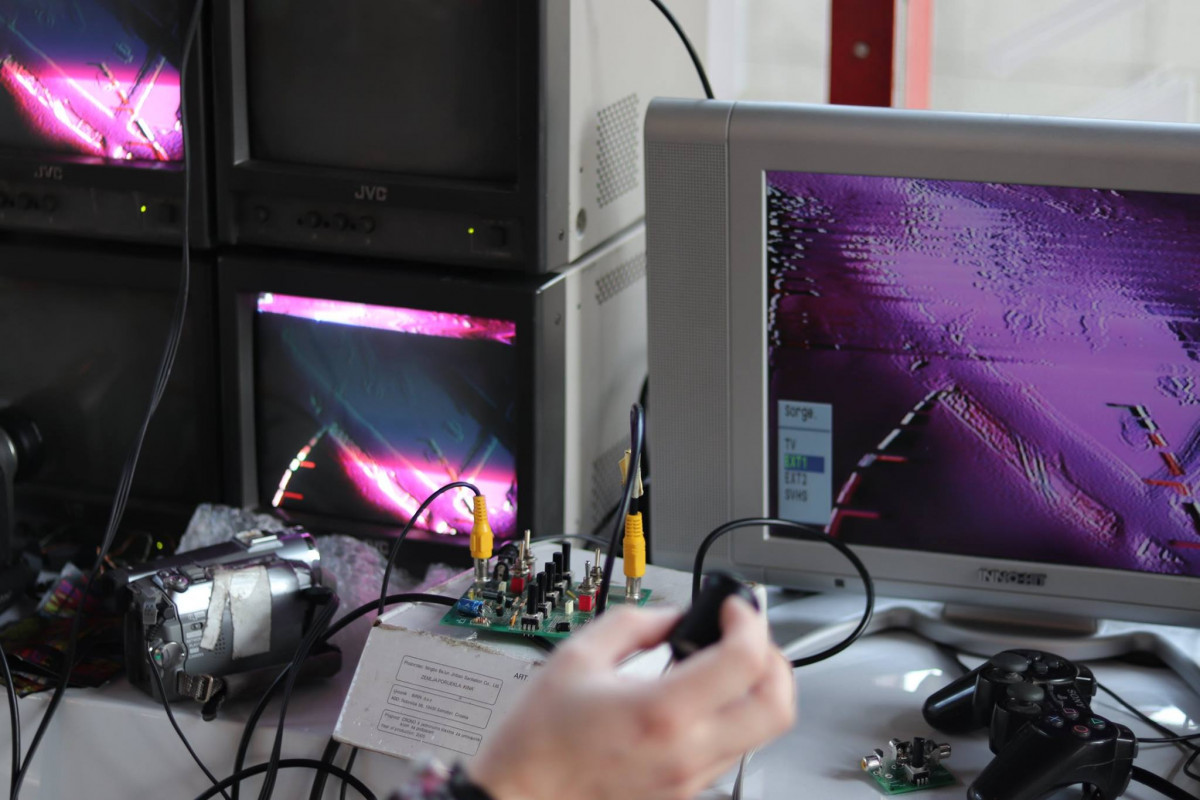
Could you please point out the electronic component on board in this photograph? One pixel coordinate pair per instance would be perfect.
(468, 607)
(912, 765)
(548, 604)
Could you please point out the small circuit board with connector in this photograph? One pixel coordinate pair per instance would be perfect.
(912, 766)
(515, 597)
(511, 595)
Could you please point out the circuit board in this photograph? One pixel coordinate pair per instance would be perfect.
(496, 617)
(893, 780)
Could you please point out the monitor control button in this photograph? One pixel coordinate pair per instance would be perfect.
(312, 220)
(26, 201)
(262, 214)
(340, 222)
(49, 203)
(366, 224)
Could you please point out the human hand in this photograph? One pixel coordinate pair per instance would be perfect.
(586, 731)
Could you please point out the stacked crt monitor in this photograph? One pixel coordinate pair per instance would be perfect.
(364, 410)
(91, 78)
(91, 120)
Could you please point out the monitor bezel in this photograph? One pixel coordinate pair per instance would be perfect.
(58, 171)
(140, 269)
(966, 147)
(241, 278)
(240, 174)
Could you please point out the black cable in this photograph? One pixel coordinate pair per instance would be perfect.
(637, 437)
(365, 608)
(291, 763)
(251, 723)
(614, 508)
(349, 768)
(14, 714)
(1184, 742)
(319, 780)
(1160, 784)
(293, 672)
(387, 568)
(1187, 765)
(391, 599)
(808, 533)
(165, 367)
(708, 92)
(162, 693)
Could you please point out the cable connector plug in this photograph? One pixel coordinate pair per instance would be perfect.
(634, 546)
(481, 538)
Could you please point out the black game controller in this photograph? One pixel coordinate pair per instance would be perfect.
(1040, 726)
(701, 625)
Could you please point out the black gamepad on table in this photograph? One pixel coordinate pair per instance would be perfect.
(1037, 708)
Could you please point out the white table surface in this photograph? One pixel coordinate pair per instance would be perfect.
(115, 742)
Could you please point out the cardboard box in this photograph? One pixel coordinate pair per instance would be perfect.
(422, 688)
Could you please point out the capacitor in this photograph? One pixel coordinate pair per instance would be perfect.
(469, 608)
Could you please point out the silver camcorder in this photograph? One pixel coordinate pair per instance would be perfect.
(202, 616)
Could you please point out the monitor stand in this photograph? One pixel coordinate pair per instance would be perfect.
(807, 625)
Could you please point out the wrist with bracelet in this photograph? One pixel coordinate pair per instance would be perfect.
(434, 781)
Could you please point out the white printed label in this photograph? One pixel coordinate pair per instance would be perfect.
(450, 680)
(423, 702)
(430, 732)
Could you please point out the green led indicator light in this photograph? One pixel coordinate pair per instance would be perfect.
(143, 209)
(470, 231)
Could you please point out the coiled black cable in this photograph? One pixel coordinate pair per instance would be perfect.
(811, 534)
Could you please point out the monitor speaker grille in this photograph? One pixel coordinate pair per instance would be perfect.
(620, 278)
(686, 221)
(606, 483)
(618, 129)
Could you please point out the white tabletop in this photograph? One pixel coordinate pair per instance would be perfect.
(116, 743)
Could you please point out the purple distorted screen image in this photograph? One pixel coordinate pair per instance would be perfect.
(987, 369)
(92, 77)
(364, 410)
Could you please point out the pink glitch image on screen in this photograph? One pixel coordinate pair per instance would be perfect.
(388, 318)
(121, 113)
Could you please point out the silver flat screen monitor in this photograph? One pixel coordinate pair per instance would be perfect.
(966, 345)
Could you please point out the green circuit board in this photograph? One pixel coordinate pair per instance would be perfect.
(892, 779)
(496, 617)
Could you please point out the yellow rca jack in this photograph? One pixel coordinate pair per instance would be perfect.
(481, 539)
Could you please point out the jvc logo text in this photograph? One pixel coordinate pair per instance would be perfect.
(48, 173)
(376, 193)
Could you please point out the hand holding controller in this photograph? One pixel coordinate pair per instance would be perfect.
(700, 626)
(1040, 726)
